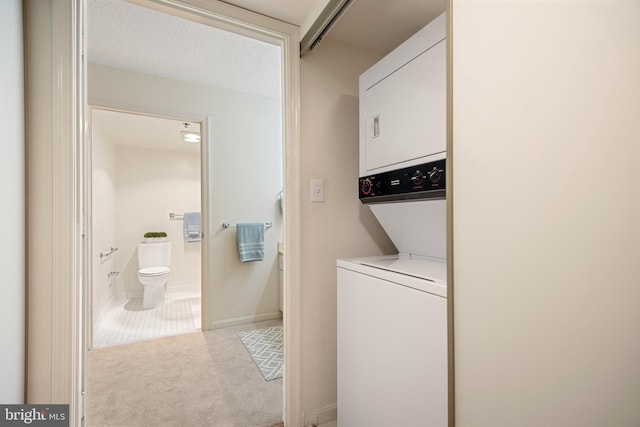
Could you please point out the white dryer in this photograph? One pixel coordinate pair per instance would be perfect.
(403, 100)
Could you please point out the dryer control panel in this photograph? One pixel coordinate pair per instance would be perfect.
(424, 181)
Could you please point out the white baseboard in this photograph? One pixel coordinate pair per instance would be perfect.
(327, 415)
(219, 324)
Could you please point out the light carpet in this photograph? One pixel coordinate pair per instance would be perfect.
(266, 349)
(199, 379)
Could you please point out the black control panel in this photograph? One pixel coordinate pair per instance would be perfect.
(425, 181)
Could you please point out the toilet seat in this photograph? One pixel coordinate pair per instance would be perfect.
(153, 271)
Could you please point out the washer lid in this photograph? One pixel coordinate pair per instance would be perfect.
(153, 271)
(420, 273)
(422, 268)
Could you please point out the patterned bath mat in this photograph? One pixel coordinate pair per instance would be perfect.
(266, 349)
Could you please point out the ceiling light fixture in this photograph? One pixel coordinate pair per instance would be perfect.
(189, 135)
(193, 137)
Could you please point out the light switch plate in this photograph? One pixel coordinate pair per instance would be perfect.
(317, 190)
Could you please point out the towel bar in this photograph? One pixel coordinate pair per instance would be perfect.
(173, 215)
(226, 225)
(107, 253)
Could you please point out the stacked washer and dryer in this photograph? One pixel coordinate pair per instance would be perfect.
(392, 310)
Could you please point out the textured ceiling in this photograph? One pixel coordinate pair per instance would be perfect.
(139, 131)
(134, 38)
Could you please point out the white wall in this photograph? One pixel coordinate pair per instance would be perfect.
(103, 191)
(244, 181)
(341, 227)
(546, 213)
(245, 178)
(12, 215)
(150, 184)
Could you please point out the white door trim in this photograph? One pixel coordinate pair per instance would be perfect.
(66, 304)
(68, 104)
(55, 79)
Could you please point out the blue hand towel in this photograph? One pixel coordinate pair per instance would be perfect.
(251, 241)
(191, 226)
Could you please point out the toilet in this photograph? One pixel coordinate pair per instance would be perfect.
(154, 260)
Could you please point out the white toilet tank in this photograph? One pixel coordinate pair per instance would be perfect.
(154, 255)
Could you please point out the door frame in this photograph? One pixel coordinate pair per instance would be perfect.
(68, 315)
(88, 193)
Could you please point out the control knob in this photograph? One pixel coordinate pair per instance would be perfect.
(417, 178)
(435, 174)
(366, 186)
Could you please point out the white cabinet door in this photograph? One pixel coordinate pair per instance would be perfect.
(392, 354)
(404, 114)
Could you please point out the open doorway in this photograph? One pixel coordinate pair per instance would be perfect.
(157, 64)
(145, 182)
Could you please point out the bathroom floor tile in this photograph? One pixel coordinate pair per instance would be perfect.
(129, 322)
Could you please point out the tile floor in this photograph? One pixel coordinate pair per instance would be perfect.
(128, 322)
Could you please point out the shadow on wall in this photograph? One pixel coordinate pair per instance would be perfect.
(371, 224)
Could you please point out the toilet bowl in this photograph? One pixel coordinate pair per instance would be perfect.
(154, 260)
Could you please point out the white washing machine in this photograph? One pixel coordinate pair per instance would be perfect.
(392, 310)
